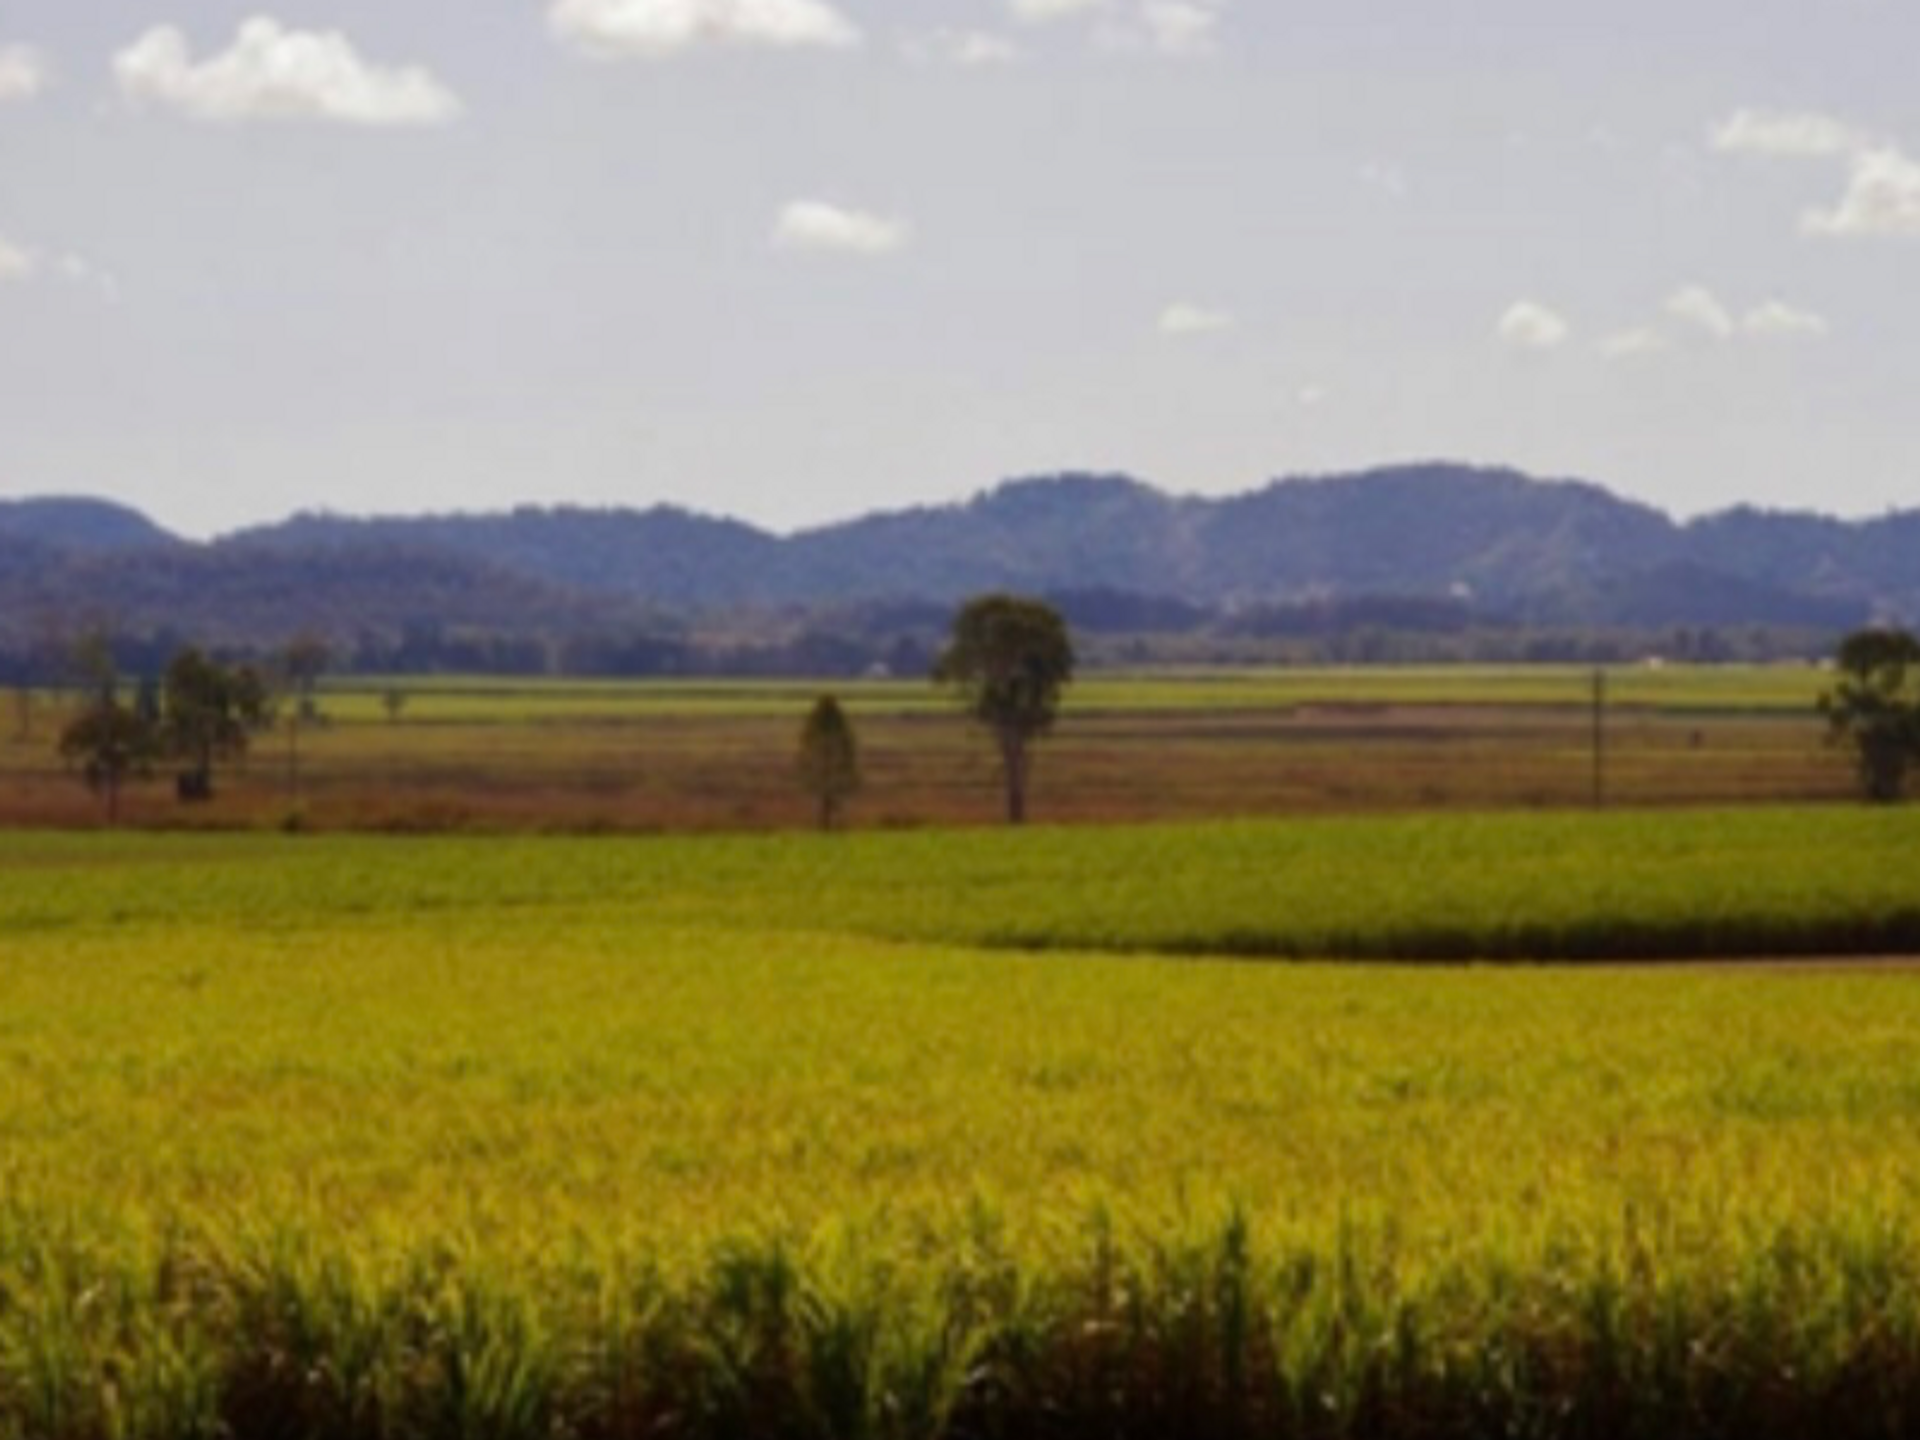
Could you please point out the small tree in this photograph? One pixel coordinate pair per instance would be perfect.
(208, 713)
(829, 760)
(112, 744)
(1874, 709)
(393, 700)
(110, 741)
(1008, 659)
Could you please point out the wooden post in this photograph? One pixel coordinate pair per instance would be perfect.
(1599, 738)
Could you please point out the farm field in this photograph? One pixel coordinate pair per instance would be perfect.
(965, 1133)
(675, 756)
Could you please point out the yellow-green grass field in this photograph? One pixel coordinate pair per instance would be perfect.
(970, 1133)
(517, 755)
(1697, 688)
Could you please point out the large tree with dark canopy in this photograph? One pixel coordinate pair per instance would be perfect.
(1874, 708)
(1008, 659)
(208, 713)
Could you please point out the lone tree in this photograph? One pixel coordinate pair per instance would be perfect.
(208, 713)
(110, 741)
(1874, 708)
(1008, 659)
(829, 760)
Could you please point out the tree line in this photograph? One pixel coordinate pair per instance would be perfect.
(199, 712)
(903, 638)
(1007, 660)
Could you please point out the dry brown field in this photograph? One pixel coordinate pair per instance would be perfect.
(505, 755)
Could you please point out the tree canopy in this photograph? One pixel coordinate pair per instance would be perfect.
(1008, 659)
(1874, 708)
(829, 760)
(208, 712)
(111, 743)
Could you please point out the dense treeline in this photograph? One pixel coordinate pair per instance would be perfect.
(1370, 632)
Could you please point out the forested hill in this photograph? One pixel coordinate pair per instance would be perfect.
(1409, 530)
(1507, 546)
(78, 525)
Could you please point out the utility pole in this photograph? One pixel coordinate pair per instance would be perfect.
(293, 758)
(1599, 738)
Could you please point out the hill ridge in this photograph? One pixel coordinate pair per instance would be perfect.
(1561, 551)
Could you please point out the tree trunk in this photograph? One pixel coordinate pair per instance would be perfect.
(1013, 763)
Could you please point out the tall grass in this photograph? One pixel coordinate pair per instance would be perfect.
(1222, 1334)
(777, 1137)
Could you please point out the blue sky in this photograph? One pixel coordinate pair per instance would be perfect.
(791, 260)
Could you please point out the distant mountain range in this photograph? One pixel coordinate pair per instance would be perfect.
(1507, 547)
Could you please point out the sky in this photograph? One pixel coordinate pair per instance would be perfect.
(795, 260)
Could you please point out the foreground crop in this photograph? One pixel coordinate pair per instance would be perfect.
(1809, 1333)
(544, 1138)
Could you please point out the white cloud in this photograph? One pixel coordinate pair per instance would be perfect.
(1787, 134)
(1882, 199)
(1778, 319)
(1528, 325)
(1699, 307)
(1697, 312)
(1312, 397)
(1175, 28)
(1042, 12)
(16, 264)
(1182, 318)
(1629, 344)
(1384, 176)
(969, 48)
(20, 264)
(1155, 27)
(823, 228)
(23, 73)
(273, 73)
(660, 29)
(79, 271)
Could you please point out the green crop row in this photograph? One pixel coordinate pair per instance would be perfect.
(1758, 689)
(1698, 884)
